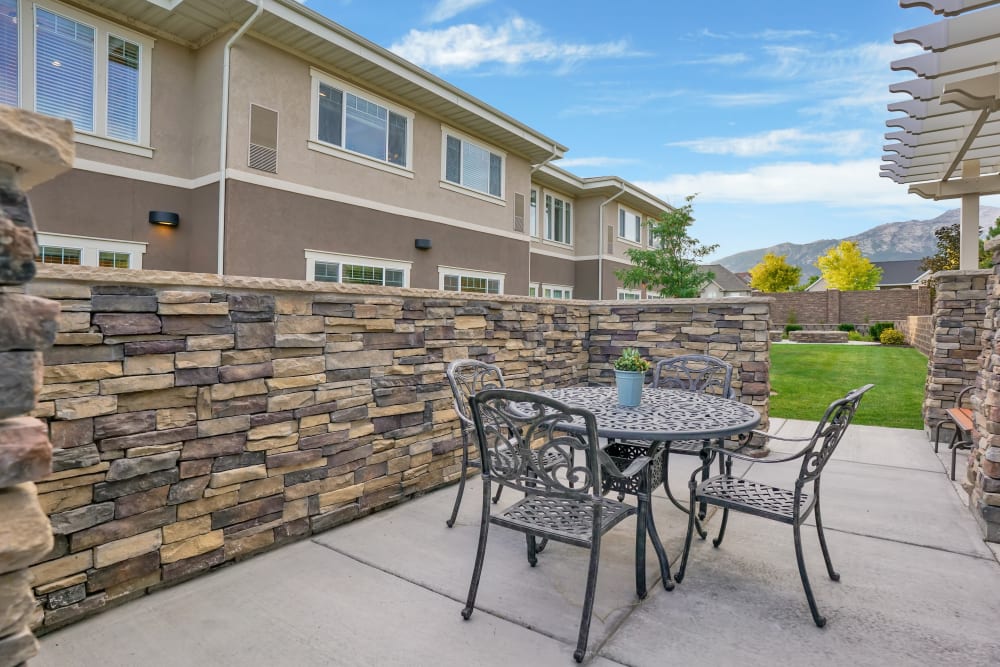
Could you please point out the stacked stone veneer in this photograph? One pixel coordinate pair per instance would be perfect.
(983, 474)
(919, 332)
(32, 149)
(199, 419)
(958, 327)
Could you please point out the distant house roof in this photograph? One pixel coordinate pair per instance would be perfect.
(744, 276)
(900, 272)
(726, 279)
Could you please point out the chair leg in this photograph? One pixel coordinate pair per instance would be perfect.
(722, 528)
(703, 507)
(822, 543)
(496, 498)
(800, 560)
(532, 550)
(588, 600)
(477, 569)
(640, 551)
(937, 434)
(461, 482)
(687, 539)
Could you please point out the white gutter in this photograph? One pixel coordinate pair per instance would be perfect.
(224, 138)
(600, 241)
(536, 167)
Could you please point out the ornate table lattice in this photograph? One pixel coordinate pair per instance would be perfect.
(663, 414)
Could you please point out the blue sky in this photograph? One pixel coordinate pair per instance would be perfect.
(773, 111)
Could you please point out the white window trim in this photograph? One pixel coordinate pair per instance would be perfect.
(90, 247)
(462, 189)
(313, 256)
(314, 143)
(622, 292)
(634, 214)
(537, 287)
(102, 30)
(543, 222)
(565, 288)
(469, 273)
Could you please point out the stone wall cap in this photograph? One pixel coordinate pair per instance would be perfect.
(41, 147)
(102, 275)
(958, 273)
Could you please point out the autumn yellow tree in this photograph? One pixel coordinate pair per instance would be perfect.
(845, 268)
(774, 274)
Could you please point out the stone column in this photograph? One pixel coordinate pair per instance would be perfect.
(983, 474)
(33, 148)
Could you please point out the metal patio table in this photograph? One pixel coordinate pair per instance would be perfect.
(662, 415)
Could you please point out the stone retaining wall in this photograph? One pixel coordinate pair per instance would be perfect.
(200, 419)
(959, 314)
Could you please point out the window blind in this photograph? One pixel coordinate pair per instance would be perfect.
(123, 89)
(8, 52)
(64, 69)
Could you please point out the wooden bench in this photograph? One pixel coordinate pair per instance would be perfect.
(961, 420)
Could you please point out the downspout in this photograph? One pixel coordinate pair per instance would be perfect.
(224, 138)
(534, 168)
(600, 241)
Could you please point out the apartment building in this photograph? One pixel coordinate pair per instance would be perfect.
(256, 137)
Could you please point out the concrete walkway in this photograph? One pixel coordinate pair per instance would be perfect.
(918, 587)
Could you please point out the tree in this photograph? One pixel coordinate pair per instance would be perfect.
(774, 274)
(948, 244)
(993, 231)
(845, 268)
(671, 270)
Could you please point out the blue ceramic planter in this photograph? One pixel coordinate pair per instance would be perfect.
(629, 387)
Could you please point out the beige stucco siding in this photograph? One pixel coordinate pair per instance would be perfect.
(268, 231)
(277, 80)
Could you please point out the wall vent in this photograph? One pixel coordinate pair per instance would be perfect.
(518, 212)
(263, 153)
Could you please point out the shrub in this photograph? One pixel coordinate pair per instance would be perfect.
(856, 335)
(875, 330)
(892, 337)
(792, 327)
(844, 326)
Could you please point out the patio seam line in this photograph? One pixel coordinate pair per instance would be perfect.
(911, 544)
(442, 594)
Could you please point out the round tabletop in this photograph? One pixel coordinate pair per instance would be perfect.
(663, 414)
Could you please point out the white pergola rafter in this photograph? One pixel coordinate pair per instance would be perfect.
(947, 142)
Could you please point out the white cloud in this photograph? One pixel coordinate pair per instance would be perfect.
(790, 141)
(720, 59)
(747, 99)
(516, 42)
(595, 161)
(849, 184)
(445, 9)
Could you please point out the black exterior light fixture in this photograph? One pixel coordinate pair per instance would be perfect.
(422, 244)
(165, 218)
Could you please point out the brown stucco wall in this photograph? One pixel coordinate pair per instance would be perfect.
(553, 271)
(834, 306)
(267, 231)
(90, 204)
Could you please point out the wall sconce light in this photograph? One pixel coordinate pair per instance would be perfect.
(422, 244)
(165, 218)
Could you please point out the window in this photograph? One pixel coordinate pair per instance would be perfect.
(628, 294)
(558, 220)
(464, 280)
(533, 214)
(87, 251)
(552, 292)
(69, 64)
(629, 225)
(471, 166)
(533, 289)
(355, 121)
(330, 268)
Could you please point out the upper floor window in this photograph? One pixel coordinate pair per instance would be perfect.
(360, 123)
(327, 267)
(464, 280)
(472, 166)
(533, 214)
(87, 251)
(69, 64)
(629, 225)
(558, 220)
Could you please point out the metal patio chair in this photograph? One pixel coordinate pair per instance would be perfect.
(791, 506)
(517, 429)
(961, 420)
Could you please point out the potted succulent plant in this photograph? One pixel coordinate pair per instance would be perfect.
(630, 373)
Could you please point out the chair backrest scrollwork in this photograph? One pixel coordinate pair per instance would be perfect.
(523, 444)
(828, 434)
(694, 372)
(468, 377)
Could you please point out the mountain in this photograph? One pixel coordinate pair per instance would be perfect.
(912, 239)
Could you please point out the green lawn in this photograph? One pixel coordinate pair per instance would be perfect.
(806, 378)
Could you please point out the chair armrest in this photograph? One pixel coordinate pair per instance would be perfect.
(961, 395)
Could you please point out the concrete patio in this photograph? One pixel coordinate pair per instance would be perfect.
(919, 586)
